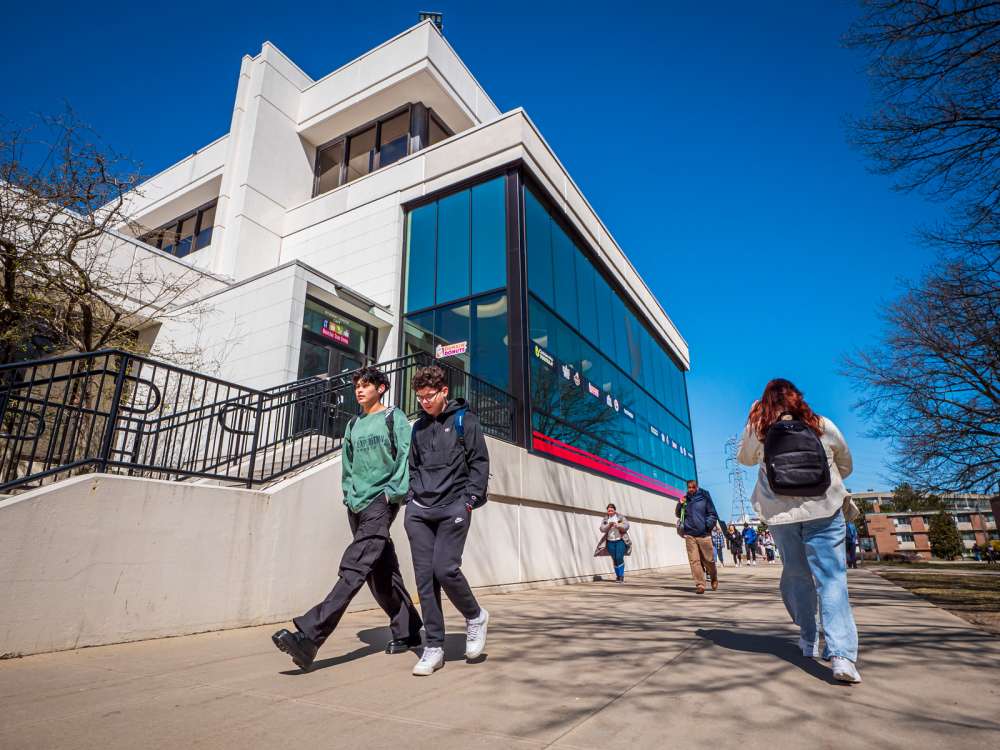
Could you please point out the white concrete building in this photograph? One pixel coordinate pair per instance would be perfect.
(386, 208)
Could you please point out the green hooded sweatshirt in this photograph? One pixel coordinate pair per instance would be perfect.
(368, 468)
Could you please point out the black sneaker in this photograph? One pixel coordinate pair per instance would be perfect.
(402, 645)
(296, 645)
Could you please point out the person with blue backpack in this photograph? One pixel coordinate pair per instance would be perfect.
(449, 471)
(750, 540)
(800, 494)
(375, 479)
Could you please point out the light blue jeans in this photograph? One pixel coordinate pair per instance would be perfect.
(815, 567)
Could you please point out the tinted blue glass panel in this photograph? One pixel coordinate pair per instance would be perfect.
(605, 335)
(421, 243)
(489, 236)
(538, 236)
(489, 340)
(453, 247)
(587, 299)
(564, 269)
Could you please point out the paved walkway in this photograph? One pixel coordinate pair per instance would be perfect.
(595, 665)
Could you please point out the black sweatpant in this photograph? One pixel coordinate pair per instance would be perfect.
(437, 539)
(370, 557)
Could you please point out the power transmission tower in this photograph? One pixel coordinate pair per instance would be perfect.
(740, 512)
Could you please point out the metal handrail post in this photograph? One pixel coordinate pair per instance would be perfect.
(109, 431)
(255, 440)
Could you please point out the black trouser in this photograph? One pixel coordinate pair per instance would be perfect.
(437, 538)
(751, 553)
(370, 557)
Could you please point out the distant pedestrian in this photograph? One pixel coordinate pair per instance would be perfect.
(615, 540)
(698, 517)
(800, 491)
(769, 546)
(750, 540)
(852, 545)
(719, 545)
(736, 545)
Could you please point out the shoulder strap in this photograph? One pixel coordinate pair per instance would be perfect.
(390, 424)
(350, 428)
(460, 426)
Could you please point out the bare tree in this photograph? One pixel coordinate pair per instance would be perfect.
(932, 386)
(71, 274)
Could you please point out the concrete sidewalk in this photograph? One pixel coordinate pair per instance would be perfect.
(594, 665)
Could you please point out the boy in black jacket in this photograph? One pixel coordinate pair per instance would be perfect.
(449, 468)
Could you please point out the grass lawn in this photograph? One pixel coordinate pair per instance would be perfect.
(975, 598)
(930, 565)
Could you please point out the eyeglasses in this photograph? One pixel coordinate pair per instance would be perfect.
(427, 399)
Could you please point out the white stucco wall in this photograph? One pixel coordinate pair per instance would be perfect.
(105, 559)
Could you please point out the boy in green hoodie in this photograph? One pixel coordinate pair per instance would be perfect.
(375, 477)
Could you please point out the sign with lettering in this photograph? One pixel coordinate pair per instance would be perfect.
(451, 350)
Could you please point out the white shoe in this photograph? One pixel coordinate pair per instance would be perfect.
(844, 670)
(430, 661)
(475, 634)
(813, 651)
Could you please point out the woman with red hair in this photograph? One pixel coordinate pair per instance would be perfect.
(800, 494)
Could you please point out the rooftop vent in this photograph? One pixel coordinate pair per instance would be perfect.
(436, 18)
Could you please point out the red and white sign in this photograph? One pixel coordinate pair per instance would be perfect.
(337, 332)
(451, 350)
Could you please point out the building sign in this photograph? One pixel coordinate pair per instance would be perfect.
(325, 322)
(594, 390)
(336, 331)
(547, 358)
(628, 414)
(654, 430)
(451, 350)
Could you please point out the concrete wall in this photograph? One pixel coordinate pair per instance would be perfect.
(105, 559)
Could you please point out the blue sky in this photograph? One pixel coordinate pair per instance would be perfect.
(709, 138)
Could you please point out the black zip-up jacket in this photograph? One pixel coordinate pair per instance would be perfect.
(439, 473)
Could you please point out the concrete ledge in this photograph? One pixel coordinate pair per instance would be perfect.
(101, 559)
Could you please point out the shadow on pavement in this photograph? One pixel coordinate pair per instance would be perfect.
(771, 645)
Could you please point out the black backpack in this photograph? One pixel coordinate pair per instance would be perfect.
(795, 459)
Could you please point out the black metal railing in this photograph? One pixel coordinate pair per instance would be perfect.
(114, 411)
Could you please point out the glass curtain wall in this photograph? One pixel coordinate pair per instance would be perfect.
(605, 394)
(456, 281)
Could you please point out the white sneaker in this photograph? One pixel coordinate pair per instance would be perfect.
(475, 634)
(813, 651)
(430, 661)
(844, 670)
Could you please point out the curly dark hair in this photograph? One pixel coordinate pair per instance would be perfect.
(372, 376)
(431, 376)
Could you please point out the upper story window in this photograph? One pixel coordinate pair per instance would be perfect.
(963, 518)
(184, 235)
(375, 145)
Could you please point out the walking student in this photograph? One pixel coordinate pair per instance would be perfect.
(750, 540)
(719, 545)
(736, 545)
(800, 494)
(852, 545)
(449, 469)
(375, 479)
(769, 546)
(698, 517)
(614, 527)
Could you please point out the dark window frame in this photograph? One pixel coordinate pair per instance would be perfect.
(375, 155)
(371, 332)
(175, 225)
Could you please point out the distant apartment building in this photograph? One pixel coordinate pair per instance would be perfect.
(891, 533)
